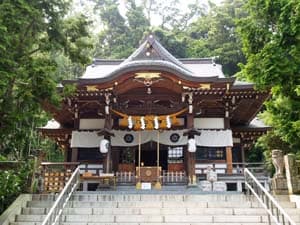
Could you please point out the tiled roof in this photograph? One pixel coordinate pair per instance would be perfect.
(152, 55)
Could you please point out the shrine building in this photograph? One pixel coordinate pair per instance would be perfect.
(153, 115)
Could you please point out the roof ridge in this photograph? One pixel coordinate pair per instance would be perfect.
(152, 49)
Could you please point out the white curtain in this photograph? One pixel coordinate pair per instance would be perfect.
(146, 136)
(214, 138)
(85, 139)
(208, 138)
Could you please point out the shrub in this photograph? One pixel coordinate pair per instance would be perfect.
(12, 183)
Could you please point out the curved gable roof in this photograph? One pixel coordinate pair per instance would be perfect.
(151, 55)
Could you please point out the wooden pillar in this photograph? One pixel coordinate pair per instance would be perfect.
(74, 156)
(227, 116)
(115, 159)
(191, 156)
(192, 167)
(226, 123)
(229, 159)
(107, 167)
(107, 162)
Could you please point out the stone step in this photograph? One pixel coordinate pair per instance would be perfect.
(292, 211)
(149, 197)
(39, 204)
(167, 204)
(79, 204)
(285, 204)
(30, 218)
(213, 219)
(44, 197)
(154, 209)
(282, 197)
(161, 211)
(105, 223)
(166, 218)
(228, 222)
(295, 218)
(158, 204)
(99, 223)
(24, 223)
(34, 211)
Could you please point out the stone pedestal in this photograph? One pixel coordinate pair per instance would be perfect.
(205, 185)
(292, 168)
(279, 182)
(279, 186)
(219, 186)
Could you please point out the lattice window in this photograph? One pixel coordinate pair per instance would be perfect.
(210, 153)
(175, 154)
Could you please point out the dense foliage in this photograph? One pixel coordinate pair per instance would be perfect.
(31, 32)
(215, 35)
(13, 182)
(271, 40)
(32, 36)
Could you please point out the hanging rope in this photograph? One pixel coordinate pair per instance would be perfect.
(149, 122)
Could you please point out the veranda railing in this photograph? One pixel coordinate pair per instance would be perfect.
(275, 212)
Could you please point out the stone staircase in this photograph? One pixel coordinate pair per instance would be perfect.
(100, 208)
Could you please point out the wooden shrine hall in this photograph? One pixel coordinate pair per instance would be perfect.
(152, 115)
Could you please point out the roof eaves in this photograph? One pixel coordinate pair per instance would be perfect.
(150, 65)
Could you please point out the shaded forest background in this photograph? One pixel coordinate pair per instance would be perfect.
(43, 42)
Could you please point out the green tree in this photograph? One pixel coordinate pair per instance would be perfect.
(120, 35)
(30, 33)
(270, 35)
(170, 13)
(176, 44)
(215, 34)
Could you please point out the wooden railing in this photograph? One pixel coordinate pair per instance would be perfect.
(237, 168)
(125, 177)
(175, 177)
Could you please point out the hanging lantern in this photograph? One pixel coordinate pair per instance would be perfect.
(156, 123)
(104, 146)
(143, 125)
(190, 109)
(107, 110)
(168, 121)
(192, 145)
(130, 122)
(183, 97)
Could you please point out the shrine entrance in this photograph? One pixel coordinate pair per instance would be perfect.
(149, 155)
